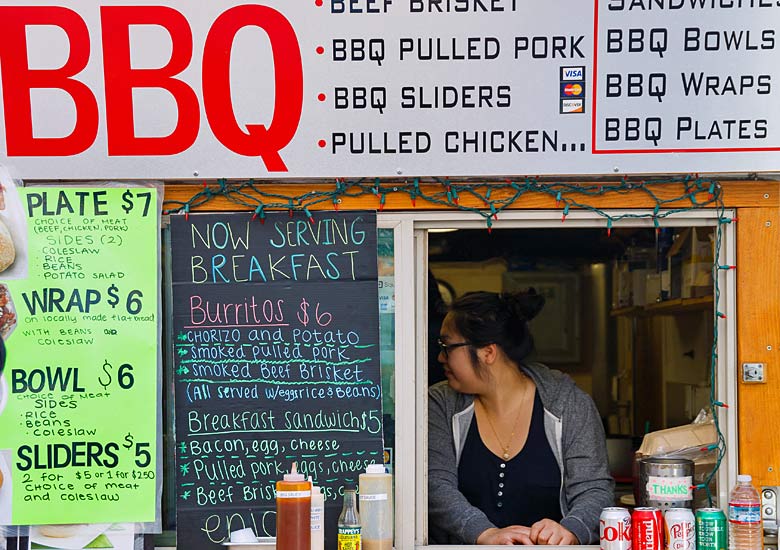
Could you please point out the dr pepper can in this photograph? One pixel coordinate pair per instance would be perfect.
(680, 529)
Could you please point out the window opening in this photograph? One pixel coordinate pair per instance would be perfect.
(629, 315)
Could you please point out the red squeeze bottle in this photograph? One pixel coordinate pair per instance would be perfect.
(293, 512)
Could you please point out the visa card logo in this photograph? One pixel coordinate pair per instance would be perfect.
(572, 73)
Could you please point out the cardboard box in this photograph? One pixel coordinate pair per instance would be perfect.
(653, 288)
(666, 285)
(639, 286)
(690, 263)
(678, 438)
(621, 285)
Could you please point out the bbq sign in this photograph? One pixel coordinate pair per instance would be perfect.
(332, 88)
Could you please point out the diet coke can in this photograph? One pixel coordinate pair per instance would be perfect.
(647, 525)
(615, 529)
(680, 529)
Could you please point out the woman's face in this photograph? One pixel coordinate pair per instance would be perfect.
(458, 367)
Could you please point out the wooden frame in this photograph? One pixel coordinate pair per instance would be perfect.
(758, 314)
(736, 194)
(755, 328)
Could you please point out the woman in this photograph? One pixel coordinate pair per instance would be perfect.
(516, 452)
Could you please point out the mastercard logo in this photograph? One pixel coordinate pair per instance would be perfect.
(572, 89)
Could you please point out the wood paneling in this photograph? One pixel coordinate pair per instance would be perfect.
(736, 193)
(758, 289)
(758, 334)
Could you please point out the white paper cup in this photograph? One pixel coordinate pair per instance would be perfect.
(242, 536)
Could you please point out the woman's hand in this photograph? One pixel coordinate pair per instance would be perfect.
(514, 534)
(551, 532)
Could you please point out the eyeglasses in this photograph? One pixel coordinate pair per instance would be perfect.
(445, 348)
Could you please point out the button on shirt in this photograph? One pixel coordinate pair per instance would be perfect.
(519, 491)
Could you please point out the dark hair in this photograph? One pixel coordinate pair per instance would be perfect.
(484, 318)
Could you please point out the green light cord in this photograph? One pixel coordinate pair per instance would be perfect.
(698, 192)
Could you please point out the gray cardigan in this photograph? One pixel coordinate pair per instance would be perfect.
(576, 437)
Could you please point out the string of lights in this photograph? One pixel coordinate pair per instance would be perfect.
(694, 192)
(684, 194)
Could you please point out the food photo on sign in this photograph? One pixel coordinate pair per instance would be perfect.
(13, 265)
(5, 454)
(77, 536)
(13, 231)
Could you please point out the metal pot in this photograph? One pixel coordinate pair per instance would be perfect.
(666, 483)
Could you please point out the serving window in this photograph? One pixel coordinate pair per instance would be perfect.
(644, 356)
(644, 349)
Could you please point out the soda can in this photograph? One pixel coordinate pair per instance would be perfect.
(680, 529)
(647, 526)
(615, 529)
(711, 533)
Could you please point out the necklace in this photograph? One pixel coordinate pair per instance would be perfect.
(505, 448)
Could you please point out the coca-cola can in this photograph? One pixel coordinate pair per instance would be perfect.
(615, 529)
(680, 529)
(647, 526)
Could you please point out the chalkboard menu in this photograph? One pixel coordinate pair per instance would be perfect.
(276, 331)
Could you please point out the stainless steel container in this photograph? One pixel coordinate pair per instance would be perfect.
(666, 483)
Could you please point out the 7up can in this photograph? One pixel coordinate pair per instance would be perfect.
(711, 533)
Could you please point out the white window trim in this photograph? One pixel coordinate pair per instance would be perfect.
(410, 239)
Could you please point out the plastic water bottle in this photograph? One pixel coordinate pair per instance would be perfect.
(745, 529)
(317, 518)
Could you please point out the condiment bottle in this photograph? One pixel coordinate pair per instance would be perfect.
(349, 523)
(293, 512)
(376, 508)
(317, 518)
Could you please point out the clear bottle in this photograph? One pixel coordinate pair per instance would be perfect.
(745, 529)
(376, 508)
(349, 523)
(317, 518)
(293, 512)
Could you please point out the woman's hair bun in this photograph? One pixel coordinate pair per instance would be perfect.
(526, 305)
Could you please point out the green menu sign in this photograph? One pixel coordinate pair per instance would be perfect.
(78, 394)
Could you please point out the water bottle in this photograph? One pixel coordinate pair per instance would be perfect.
(745, 529)
(376, 508)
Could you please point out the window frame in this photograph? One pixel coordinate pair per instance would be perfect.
(411, 260)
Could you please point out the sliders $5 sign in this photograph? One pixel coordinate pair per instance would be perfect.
(78, 420)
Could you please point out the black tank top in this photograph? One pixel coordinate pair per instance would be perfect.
(519, 491)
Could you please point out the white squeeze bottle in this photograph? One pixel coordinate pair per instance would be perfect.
(745, 529)
(376, 508)
(317, 517)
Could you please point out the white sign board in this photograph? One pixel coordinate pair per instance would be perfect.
(346, 88)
